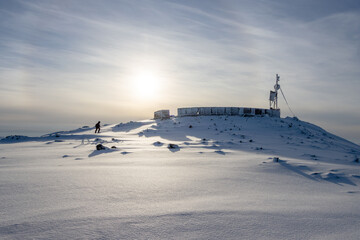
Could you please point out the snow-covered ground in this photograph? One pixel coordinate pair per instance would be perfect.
(223, 178)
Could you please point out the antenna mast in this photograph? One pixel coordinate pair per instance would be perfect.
(274, 94)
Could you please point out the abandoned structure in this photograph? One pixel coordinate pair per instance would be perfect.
(273, 111)
(162, 114)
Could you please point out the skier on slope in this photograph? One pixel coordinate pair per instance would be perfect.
(97, 127)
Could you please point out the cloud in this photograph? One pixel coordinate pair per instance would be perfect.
(205, 53)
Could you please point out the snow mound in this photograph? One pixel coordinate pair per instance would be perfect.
(205, 177)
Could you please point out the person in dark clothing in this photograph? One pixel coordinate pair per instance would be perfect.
(97, 127)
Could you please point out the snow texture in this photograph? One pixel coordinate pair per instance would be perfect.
(223, 178)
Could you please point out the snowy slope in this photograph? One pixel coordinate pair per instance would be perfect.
(220, 181)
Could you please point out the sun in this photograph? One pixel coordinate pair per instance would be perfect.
(145, 85)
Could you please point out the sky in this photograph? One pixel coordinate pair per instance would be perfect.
(66, 64)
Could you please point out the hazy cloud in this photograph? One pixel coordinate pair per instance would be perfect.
(81, 57)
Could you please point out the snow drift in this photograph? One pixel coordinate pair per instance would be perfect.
(215, 177)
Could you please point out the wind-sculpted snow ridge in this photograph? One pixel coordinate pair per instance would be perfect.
(205, 177)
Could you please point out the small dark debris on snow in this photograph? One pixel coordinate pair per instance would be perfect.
(100, 147)
(250, 140)
(113, 147)
(173, 146)
(190, 126)
(158, 143)
(276, 159)
(356, 160)
(351, 192)
(15, 137)
(220, 152)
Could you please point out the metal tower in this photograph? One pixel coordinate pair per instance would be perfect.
(274, 94)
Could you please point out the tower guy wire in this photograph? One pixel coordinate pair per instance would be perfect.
(287, 102)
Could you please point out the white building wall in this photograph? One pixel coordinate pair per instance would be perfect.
(207, 111)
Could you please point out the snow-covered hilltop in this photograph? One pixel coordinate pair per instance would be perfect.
(205, 177)
(287, 137)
